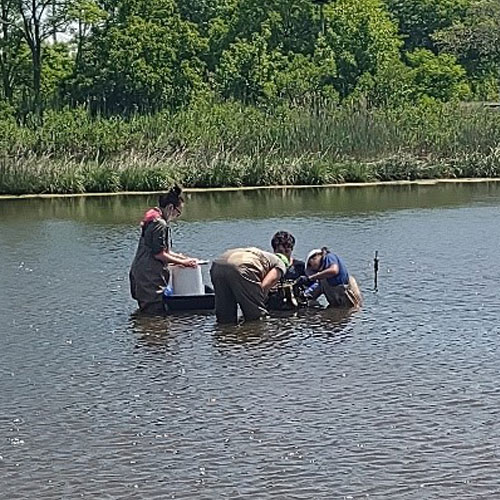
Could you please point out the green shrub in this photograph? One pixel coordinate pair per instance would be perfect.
(233, 145)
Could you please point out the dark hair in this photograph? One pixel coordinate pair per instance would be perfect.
(173, 197)
(283, 238)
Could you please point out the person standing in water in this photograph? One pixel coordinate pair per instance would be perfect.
(149, 272)
(327, 274)
(244, 276)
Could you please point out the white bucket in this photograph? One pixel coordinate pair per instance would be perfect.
(186, 280)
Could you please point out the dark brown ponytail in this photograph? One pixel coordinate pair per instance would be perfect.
(173, 197)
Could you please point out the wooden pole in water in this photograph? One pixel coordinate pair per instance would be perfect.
(375, 270)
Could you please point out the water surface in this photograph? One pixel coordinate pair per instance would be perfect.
(400, 400)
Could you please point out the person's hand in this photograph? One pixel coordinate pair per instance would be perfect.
(190, 263)
(304, 281)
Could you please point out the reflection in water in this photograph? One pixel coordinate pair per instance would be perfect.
(332, 321)
(282, 327)
(123, 209)
(151, 331)
(398, 400)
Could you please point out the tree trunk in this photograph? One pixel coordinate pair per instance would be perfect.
(37, 79)
(6, 82)
(36, 53)
(4, 56)
(54, 30)
(79, 45)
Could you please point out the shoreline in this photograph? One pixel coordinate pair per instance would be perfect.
(418, 182)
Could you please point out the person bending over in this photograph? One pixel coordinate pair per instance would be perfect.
(327, 274)
(244, 276)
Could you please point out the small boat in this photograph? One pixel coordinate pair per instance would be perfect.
(189, 302)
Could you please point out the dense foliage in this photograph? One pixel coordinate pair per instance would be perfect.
(107, 95)
(129, 56)
(230, 144)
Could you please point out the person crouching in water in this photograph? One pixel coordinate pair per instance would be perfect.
(244, 276)
(331, 278)
(149, 273)
(283, 242)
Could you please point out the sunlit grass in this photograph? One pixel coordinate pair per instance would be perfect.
(231, 145)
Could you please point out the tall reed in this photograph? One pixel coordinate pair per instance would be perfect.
(227, 144)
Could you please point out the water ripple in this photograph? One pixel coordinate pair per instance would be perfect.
(398, 400)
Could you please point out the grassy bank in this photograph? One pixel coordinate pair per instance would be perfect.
(231, 145)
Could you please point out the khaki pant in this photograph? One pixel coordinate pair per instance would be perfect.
(231, 290)
(340, 295)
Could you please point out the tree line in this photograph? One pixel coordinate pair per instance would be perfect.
(142, 56)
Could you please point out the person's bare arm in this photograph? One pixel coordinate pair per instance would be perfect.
(270, 279)
(329, 272)
(179, 255)
(169, 258)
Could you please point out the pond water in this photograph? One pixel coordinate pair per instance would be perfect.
(400, 400)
